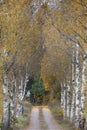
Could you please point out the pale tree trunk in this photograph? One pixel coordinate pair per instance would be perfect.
(5, 103)
(72, 114)
(65, 102)
(68, 100)
(83, 89)
(20, 98)
(62, 96)
(77, 87)
(21, 94)
(12, 102)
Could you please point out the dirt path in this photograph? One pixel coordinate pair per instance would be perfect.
(42, 119)
(34, 119)
(49, 119)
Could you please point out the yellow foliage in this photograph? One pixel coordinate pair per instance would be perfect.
(60, 113)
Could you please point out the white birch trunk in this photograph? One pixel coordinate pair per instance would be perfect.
(12, 102)
(21, 94)
(68, 101)
(72, 107)
(20, 98)
(65, 103)
(83, 89)
(72, 114)
(77, 87)
(84, 93)
(62, 96)
(5, 104)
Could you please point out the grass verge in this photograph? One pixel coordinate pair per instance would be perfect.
(23, 121)
(58, 115)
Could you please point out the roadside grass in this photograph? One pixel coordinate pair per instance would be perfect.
(58, 115)
(1, 123)
(23, 121)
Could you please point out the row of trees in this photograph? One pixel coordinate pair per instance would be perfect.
(21, 50)
(65, 62)
(29, 29)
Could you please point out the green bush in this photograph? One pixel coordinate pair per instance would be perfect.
(1, 124)
(22, 122)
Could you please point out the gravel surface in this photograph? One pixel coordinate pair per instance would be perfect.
(42, 119)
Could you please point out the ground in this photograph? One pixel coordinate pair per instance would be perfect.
(42, 119)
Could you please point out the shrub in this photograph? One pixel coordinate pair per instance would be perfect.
(1, 124)
(21, 122)
(60, 112)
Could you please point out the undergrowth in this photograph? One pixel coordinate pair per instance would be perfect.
(23, 121)
(58, 115)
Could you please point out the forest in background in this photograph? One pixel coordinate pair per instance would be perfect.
(45, 39)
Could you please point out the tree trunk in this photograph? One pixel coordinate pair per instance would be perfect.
(5, 104)
(20, 98)
(83, 89)
(21, 94)
(77, 87)
(12, 102)
(72, 114)
(65, 102)
(62, 96)
(68, 100)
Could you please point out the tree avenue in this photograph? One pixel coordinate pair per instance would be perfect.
(43, 50)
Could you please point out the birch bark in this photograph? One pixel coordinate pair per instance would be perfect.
(68, 100)
(5, 103)
(83, 89)
(77, 87)
(12, 102)
(62, 96)
(65, 102)
(72, 114)
(21, 94)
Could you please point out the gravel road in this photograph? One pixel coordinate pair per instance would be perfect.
(42, 119)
